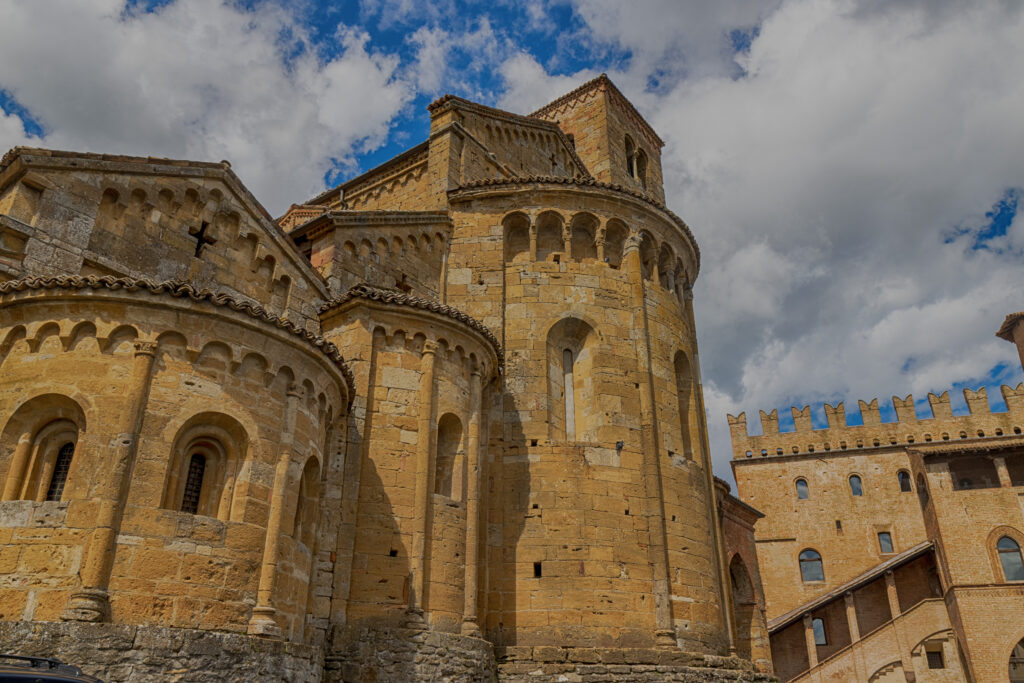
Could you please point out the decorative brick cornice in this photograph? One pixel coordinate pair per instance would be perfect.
(181, 290)
(395, 165)
(448, 101)
(397, 298)
(584, 182)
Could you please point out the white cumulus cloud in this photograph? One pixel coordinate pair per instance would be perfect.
(836, 175)
(201, 80)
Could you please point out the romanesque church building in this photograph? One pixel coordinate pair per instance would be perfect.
(444, 422)
(441, 422)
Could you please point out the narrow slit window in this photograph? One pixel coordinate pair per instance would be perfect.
(568, 388)
(537, 570)
(885, 542)
(193, 484)
(60, 472)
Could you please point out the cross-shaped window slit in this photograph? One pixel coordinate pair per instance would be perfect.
(201, 237)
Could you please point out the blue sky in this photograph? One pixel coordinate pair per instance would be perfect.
(850, 168)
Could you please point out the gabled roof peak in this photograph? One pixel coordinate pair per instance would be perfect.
(601, 82)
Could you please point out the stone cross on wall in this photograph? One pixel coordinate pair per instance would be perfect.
(201, 237)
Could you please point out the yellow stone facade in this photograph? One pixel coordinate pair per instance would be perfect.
(889, 550)
(442, 420)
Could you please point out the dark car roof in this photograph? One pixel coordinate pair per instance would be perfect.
(17, 669)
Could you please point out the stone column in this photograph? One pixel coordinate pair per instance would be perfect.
(890, 591)
(1004, 474)
(812, 648)
(709, 476)
(851, 617)
(16, 473)
(262, 622)
(470, 623)
(91, 602)
(533, 238)
(45, 475)
(599, 239)
(567, 241)
(664, 633)
(424, 461)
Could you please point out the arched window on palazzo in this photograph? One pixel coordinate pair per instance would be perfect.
(904, 480)
(1010, 559)
(801, 489)
(811, 568)
(856, 488)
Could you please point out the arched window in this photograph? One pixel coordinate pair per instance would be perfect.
(193, 484)
(630, 157)
(684, 392)
(1010, 558)
(801, 489)
(40, 439)
(1017, 663)
(568, 385)
(517, 238)
(60, 472)
(648, 255)
(855, 486)
(304, 527)
(205, 459)
(449, 443)
(811, 568)
(584, 231)
(744, 605)
(573, 411)
(904, 480)
(615, 235)
(549, 235)
(641, 168)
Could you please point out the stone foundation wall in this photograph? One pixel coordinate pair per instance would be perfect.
(396, 655)
(618, 665)
(118, 653)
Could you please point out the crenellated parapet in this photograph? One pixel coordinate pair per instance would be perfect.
(908, 428)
